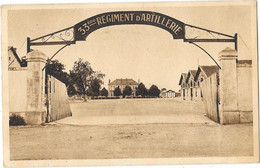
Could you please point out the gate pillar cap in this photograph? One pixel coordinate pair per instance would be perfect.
(228, 53)
(36, 56)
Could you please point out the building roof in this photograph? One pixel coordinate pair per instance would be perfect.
(123, 82)
(208, 70)
(183, 77)
(22, 63)
(191, 73)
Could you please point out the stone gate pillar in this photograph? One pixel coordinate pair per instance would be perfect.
(35, 88)
(228, 108)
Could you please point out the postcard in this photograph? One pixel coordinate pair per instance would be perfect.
(130, 83)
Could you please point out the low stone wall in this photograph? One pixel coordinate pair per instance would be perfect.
(17, 90)
(244, 86)
(58, 99)
(17, 79)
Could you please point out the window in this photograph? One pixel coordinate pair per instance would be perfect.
(50, 86)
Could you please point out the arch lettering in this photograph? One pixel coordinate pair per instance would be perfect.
(173, 26)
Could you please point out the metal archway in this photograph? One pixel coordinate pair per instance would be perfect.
(176, 28)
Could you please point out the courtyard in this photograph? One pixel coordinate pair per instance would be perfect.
(131, 128)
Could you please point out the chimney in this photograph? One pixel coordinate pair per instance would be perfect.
(138, 80)
(109, 81)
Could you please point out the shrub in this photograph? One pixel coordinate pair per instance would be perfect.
(104, 92)
(127, 91)
(15, 120)
(117, 91)
(154, 91)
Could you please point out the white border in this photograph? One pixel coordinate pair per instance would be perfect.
(6, 2)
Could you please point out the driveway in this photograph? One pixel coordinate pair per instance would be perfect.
(113, 129)
(137, 111)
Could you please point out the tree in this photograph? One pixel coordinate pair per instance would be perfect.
(55, 65)
(127, 91)
(141, 90)
(56, 68)
(104, 92)
(154, 91)
(82, 76)
(72, 83)
(71, 90)
(137, 92)
(94, 87)
(117, 91)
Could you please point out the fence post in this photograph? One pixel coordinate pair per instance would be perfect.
(35, 113)
(228, 109)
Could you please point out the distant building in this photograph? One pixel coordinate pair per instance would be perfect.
(191, 87)
(170, 94)
(122, 83)
(190, 82)
(183, 85)
(163, 92)
(167, 93)
(14, 61)
(178, 94)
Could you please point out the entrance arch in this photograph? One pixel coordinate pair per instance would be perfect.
(80, 31)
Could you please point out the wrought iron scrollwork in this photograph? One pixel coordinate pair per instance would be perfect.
(69, 35)
(64, 36)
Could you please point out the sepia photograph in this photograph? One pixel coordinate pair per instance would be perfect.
(130, 83)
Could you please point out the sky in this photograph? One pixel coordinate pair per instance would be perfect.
(140, 52)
